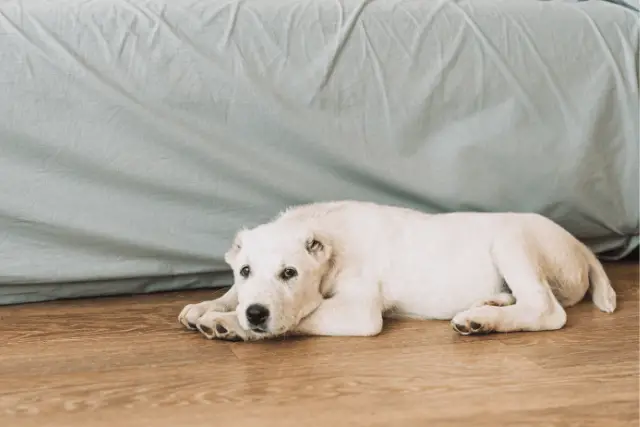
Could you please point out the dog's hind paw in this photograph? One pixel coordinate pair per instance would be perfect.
(472, 322)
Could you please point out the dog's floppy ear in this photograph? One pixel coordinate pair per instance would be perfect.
(231, 254)
(318, 246)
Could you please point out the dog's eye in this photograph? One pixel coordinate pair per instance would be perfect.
(288, 273)
(245, 271)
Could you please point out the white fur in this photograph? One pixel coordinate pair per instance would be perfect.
(358, 262)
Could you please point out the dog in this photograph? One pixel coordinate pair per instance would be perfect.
(339, 268)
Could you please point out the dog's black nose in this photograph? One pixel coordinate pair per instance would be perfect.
(257, 314)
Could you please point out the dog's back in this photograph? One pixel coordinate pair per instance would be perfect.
(565, 263)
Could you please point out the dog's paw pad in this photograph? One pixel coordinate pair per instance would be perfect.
(224, 334)
(206, 330)
(470, 327)
(461, 329)
(475, 326)
(219, 326)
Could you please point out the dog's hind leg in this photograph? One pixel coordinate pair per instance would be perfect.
(534, 308)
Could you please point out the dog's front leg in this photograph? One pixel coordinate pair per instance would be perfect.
(191, 313)
(340, 316)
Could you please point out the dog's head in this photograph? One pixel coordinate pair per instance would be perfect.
(278, 273)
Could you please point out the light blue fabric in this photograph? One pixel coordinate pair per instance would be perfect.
(621, 3)
(137, 136)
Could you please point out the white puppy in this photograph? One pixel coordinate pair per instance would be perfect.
(339, 268)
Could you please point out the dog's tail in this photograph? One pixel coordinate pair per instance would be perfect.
(602, 294)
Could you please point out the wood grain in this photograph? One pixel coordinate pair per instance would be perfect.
(126, 362)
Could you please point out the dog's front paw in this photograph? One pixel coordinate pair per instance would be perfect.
(473, 321)
(191, 313)
(222, 326)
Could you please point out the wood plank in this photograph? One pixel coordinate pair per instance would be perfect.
(125, 362)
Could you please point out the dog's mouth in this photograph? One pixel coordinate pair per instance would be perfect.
(259, 330)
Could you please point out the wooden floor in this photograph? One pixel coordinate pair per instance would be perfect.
(125, 362)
